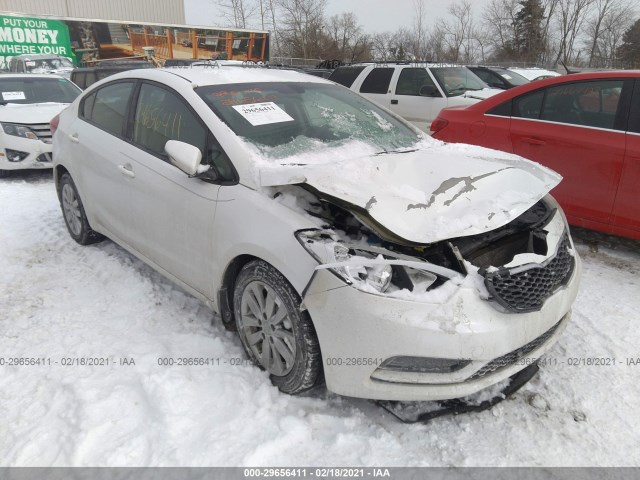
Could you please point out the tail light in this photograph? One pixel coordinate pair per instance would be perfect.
(438, 124)
(54, 124)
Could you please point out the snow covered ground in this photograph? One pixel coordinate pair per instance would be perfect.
(60, 300)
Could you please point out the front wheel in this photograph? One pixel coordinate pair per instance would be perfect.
(276, 335)
(74, 215)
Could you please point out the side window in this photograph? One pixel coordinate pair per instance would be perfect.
(79, 79)
(162, 115)
(528, 105)
(109, 107)
(502, 110)
(345, 75)
(218, 159)
(377, 81)
(411, 80)
(86, 107)
(592, 104)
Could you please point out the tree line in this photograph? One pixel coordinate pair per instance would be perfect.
(581, 33)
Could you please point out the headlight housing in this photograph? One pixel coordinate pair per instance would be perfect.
(18, 130)
(372, 269)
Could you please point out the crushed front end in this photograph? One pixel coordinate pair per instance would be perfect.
(405, 321)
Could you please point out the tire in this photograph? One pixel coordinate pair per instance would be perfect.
(267, 313)
(74, 215)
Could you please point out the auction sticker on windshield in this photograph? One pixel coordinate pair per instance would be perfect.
(13, 96)
(263, 113)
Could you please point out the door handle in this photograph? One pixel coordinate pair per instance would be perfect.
(533, 141)
(394, 102)
(127, 170)
(74, 138)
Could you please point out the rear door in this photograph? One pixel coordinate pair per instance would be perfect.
(626, 211)
(376, 85)
(98, 146)
(575, 129)
(407, 102)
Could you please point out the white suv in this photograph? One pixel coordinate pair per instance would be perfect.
(335, 237)
(415, 91)
(27, 105)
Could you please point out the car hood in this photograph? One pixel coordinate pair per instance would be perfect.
(427, 195)
(30, 113)
(481, 94)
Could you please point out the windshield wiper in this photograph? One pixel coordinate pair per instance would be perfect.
(398, 150)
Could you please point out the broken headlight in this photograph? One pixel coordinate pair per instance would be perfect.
(369, 268)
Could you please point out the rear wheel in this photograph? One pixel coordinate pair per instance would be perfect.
(276, 335)
(74, 215)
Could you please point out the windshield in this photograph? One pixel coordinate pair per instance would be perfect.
(37, 90)
(512, 77)
(284, 119)
(43, 65)
(457, 80)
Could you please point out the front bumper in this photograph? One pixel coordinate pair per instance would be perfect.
(38, 153)
(357, 331)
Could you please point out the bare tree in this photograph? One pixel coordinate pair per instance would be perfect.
(237, 12)
(347, 39)
(458, 34)
(498, 25)
(608, 14)
(571, 17)
(301, 22)
(420, 32)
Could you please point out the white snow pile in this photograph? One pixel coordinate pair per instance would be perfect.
(61, 302)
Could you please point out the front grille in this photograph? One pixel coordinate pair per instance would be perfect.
(42, 130)
(44, 157)
(526, 290)
(512, 357)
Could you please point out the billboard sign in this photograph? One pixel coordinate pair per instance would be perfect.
(33, 36)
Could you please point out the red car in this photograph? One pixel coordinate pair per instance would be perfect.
(585, 126)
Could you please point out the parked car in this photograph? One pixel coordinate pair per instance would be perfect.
(41, 63)
(498, 77)
(339, 240)
(87, 76)
(415, 91)
(28, 102)
(533, 74)
(585, 126)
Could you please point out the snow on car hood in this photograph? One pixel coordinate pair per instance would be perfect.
(481, 94)
(426, 195)
(30, 112)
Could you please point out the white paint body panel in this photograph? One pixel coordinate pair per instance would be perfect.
(431, 195)
(190, 231)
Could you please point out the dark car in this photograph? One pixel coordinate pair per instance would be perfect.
(585, 126)
(498, 77)
(87, 76)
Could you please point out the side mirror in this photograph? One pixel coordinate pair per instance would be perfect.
(429, 91)
(184, 156)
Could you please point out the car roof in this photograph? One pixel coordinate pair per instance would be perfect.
(225, 74)
(38, 56)
(547, 82)
(32, 75)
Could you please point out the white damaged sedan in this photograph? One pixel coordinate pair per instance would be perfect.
(339, 241)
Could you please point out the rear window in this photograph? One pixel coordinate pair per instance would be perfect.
(377, 81)
(345, 75)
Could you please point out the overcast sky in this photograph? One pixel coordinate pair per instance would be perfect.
(373, 15)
